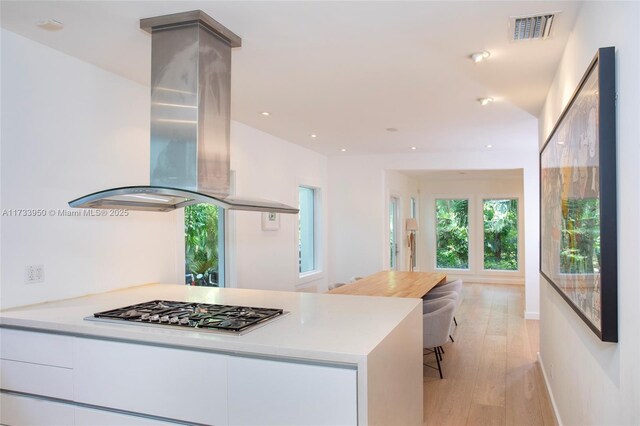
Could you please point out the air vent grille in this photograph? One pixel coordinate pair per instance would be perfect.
(532, 27)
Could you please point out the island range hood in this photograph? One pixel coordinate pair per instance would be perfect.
(190, 121)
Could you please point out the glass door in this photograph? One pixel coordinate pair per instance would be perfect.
(394, 235)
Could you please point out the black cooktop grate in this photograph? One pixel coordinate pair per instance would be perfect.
(195, 315)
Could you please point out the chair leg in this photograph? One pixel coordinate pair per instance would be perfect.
(438, 361)
(452, 341)
(455, 321)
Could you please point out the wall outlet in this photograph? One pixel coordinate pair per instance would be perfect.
(33, 274)
(551, 370)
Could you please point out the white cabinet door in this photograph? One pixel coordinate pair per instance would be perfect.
(264, 392)
(36, 379)
(36, 348)
(22, 411)
(165, 382)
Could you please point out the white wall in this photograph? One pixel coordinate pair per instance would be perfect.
(271, 168)
(68, 129)
(357, 217)
(475, 190)
(357, 209)
(595, 383)
(71, 129)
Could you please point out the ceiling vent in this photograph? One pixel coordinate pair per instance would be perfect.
(537, 27)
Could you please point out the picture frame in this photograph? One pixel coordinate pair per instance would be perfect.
(578, 228)
(270, 221)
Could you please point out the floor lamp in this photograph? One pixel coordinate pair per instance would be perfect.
(412, 227)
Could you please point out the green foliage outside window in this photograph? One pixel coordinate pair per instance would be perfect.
(501, 234)
(201, 244)
(452, 234)
(580, 241)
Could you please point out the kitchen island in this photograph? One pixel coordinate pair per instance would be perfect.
(331, 360)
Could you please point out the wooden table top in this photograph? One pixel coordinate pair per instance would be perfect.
(393, 284)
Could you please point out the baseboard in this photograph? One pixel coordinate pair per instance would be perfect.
(532, 315)
(549, 391)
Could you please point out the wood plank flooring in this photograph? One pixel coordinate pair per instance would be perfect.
(491, 374)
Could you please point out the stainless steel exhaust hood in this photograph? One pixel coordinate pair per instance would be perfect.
(190, 121)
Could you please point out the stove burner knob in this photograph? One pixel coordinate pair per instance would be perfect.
(145, 317)
(164, 318)
(173, 320)
(184, 320)
(154, 318)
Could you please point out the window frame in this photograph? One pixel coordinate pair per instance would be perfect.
(318, 272)
(520, 225)
(222, 246)
(470, 232)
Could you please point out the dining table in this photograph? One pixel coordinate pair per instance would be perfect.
(393, 284)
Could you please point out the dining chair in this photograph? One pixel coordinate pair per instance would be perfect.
(435, 327)
(434, 302)
(437, 291)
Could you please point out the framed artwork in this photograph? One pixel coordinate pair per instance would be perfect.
(270, 221)
(578, 242)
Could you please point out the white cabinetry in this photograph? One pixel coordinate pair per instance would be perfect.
(36, 363)
(90, 417)
(62, 380)
(173, 383)
(268, 392)
(18, 410)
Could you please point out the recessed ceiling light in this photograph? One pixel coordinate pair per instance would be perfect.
(413, 148)
(485, 101)
(479, 56)
(314, 135)
(265, 113)
(344, 150)
(50, 25)
(392, 129)
(489, 146)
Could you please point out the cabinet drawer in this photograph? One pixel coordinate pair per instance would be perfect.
(264, 392)
(36, 379)
(18, 410)
(165, 382)
(37, 348)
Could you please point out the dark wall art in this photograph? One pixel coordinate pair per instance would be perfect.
(578, 242)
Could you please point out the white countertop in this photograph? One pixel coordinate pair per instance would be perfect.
(321, 327)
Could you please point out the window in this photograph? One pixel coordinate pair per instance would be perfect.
(413, 205)
(500, 234)
(306, 229)
(204, 245)
(452, 234)
(393, 233)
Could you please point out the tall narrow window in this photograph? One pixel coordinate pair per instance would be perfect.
(393, 233)
(414, 208)
(306, 230)
(452, 234)
(501, 234)
(204, 245)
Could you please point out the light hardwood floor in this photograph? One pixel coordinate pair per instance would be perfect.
(491, 374)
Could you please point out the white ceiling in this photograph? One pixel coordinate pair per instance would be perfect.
(345, 71)
(475, 175)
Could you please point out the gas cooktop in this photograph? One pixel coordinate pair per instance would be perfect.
(191, 315)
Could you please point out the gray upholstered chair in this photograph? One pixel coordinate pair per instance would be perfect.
(435, 327)
(442, 289)
(429, 304)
